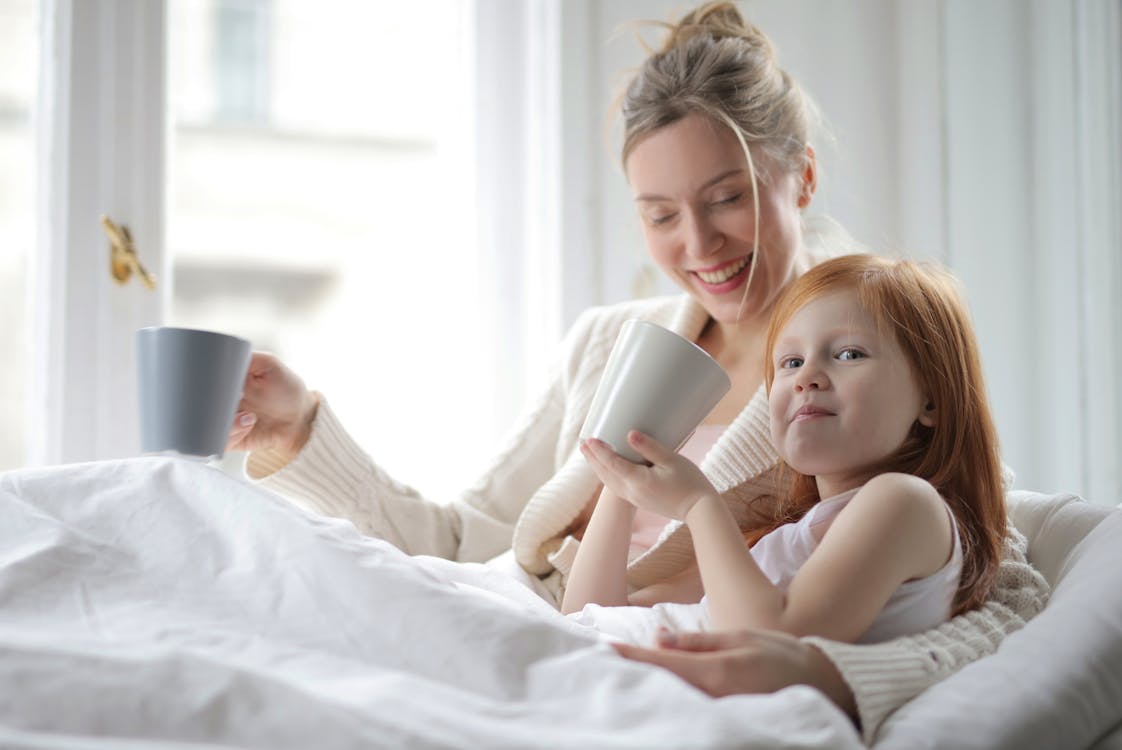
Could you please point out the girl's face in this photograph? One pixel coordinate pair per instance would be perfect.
(694, 193)
(844, 396)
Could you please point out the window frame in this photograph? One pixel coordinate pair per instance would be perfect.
(101, 124)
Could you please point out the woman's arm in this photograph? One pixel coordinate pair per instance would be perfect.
(884, 676)
(737, 662)
(333, 475)
(599, 574)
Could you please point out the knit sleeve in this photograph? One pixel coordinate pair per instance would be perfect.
(334, 476)
(884, 676)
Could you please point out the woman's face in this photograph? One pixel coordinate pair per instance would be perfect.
(693, 190)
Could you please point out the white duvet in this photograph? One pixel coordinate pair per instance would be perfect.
(154, 602)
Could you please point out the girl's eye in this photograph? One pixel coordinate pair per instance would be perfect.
(729, 200)
(657, 220)
(849, 354)
(790, 363)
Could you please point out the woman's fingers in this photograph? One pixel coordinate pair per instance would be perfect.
(699, 671)
(750, 661)
(704, 641)
(261, 362)
(244, 422)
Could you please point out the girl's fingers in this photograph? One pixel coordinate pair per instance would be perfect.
(602, 472)
(611, 461)
(649, 448)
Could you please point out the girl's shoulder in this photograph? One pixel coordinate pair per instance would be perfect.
(908, 510)
(905, 485)
(899, 497)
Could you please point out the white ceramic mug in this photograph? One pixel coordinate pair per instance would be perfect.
(190, 384)
(655, 382)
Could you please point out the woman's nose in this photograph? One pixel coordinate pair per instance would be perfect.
(701, 238)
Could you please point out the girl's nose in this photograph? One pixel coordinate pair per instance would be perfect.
(811, 378)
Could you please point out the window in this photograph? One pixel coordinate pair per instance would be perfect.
(19, 49)
(321, 204)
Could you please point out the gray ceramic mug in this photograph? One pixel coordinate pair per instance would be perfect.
(656, 382)
(190, 384)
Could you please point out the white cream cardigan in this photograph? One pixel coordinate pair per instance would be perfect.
(539, 483)
(537, 486)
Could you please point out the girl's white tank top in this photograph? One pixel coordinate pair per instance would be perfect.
(915, 606)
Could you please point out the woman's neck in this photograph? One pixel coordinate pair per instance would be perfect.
(734, 343)
(739, 349)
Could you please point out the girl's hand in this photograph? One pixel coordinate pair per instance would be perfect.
(670, 486)
(276, 409)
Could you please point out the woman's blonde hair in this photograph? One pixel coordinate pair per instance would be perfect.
(921, 306)
(714, 63)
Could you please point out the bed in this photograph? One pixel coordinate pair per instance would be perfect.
(155, 602)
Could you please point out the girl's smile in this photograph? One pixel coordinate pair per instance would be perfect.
(844, 396)
(810, 411)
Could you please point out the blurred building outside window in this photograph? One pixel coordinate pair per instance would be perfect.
(320, 203)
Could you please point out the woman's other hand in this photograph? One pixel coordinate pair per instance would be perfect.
(745, 661)
(276, 409)
(670, 486)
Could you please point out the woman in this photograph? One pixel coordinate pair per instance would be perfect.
(717, 152)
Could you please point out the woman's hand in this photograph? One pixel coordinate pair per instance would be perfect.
(276, 409)
(670, 486)
(745, 661)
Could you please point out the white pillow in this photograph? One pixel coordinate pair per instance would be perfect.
(1057, 683)
(1054, 526)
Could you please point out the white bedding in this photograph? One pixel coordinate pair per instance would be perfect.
(158, 602)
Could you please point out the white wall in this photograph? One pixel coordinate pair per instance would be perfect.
(962, 132)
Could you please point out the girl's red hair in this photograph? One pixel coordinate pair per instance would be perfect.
(921, 305)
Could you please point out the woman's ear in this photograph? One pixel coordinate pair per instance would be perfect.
(927, 416)
(808, 179)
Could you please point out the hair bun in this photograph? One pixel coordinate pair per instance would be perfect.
(714, 20)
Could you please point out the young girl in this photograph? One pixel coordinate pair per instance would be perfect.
(894, 514)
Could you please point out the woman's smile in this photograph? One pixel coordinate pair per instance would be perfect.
(724, 277)
(709, 217)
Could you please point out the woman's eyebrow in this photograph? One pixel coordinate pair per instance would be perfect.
(722, 176)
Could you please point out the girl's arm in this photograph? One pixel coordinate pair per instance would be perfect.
(738, 592)
(894, 529)
(599, 574)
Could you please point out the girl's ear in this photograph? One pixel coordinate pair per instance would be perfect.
(927, 416)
